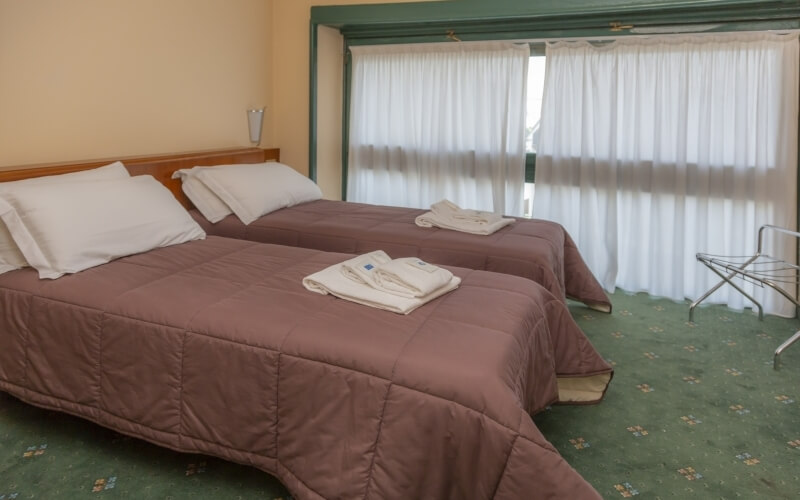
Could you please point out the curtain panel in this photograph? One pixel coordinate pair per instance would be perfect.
(652, 150)
(435, 121)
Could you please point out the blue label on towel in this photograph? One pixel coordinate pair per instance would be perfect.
(422, 265)
(369, 267)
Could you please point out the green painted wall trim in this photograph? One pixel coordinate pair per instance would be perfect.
(439, 34)
(347, 77)
(312, 103)
(552, 11)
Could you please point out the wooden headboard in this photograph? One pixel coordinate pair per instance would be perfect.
(160, 166)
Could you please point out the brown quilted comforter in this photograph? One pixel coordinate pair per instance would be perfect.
(214, 346)
(535, 249)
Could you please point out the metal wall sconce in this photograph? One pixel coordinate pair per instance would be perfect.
(255, 117)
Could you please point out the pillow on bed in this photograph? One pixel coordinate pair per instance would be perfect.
(253, 190)
(209, 204)
(10, 256)
(68, 227)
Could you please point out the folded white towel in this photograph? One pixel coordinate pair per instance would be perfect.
(332, 280)
(446, 209)
(411, 277)
(362, 268)
(430, 219)
(448, 215)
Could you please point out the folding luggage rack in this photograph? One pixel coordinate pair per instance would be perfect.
(759, 269)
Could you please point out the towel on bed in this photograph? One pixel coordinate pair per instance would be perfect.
(449, 210)
(447, 215)
(407, 277)
(362, 268)
(411, 277)
(332, 280)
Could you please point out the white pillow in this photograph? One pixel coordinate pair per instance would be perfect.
(203, 198)
(66, 228)
(253, 190)
(10, 256)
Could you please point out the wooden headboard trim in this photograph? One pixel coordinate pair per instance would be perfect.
(159, 166)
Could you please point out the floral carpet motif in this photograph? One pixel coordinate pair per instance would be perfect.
(695, 410)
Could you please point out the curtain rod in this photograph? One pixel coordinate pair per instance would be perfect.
(648, 35)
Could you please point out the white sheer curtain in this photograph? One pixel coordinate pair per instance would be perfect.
(434, 121)
(652, 150)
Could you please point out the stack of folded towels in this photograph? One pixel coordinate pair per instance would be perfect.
(375, 280)
(448, 215)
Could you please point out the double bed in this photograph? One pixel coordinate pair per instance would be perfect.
(214, 346)
(530, 248)
(534, 249)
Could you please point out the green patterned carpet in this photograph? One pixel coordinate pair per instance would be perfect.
(694, 411)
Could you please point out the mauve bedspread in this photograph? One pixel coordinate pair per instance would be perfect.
(535, 249)
(214, 347)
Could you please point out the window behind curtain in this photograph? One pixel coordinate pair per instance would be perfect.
(435, 121)
(653, 150)
(536, 68)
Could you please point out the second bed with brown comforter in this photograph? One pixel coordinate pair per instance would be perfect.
(214, 346)
(535, 249)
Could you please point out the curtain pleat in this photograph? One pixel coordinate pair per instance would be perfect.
(652, 150)
(434, 121)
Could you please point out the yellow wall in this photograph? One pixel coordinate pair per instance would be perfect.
(329, 112)
(84, 79)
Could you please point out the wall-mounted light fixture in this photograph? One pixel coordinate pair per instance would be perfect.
(254, 119)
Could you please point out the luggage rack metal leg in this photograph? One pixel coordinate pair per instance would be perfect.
(725, 279)
(759, 269)
(776, 360)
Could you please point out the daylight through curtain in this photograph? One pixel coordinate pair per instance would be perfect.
(652, 150)
(434, 121)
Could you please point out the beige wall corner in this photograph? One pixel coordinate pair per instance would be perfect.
(92, 78)
(330, 86)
